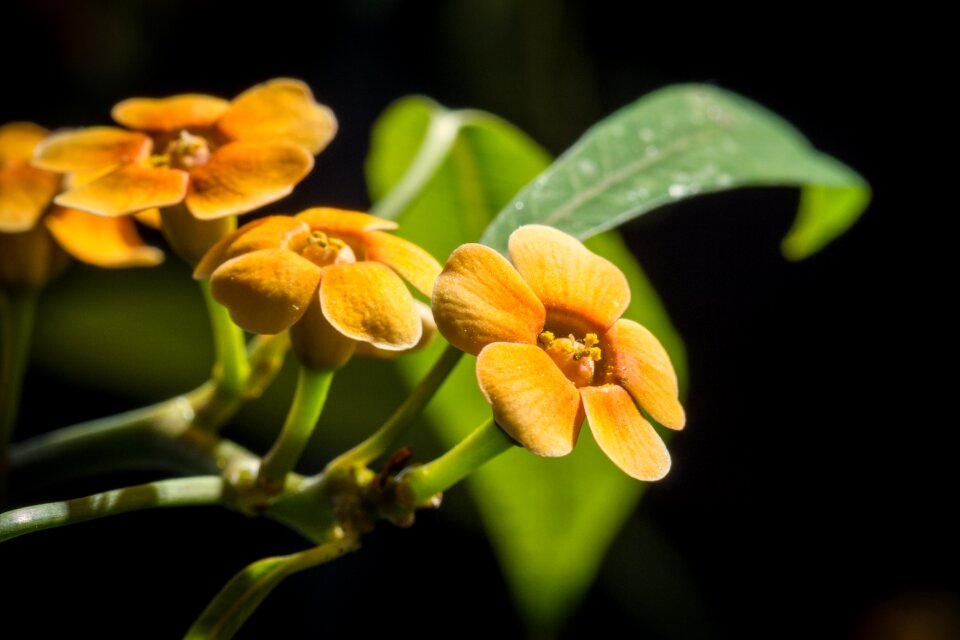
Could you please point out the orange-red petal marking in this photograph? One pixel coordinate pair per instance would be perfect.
(640, 364)
(572, 282)
(130, 189)
(281, 109)
(91, 149)
(266, 291)
(479, 298)
(169, 114)
(623, 434)
(100, 241)
(531, 399)
(242, 176)
(367, 301)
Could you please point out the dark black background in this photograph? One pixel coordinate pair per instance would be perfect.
(812, 490)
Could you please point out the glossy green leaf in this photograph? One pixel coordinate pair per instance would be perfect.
(550, 520)
(674, 144)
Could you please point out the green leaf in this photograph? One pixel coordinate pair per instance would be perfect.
(674, 144)
(550, 521)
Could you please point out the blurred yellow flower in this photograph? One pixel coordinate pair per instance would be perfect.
(551, 347)
(32, 253)
(330, 276)
(219, 158)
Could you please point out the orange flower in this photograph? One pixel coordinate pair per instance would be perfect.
(328, 275)
(30, 256)
(220, 158)
(551, 347)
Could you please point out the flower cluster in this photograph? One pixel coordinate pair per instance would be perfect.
(551, 347)
(36, 237)
(219, 158)
(328, 275)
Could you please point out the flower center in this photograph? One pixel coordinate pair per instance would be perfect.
(576, 358)
(324, 250)
(185, 152)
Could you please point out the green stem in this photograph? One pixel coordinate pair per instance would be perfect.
(231, 369)
(178, 492)
(485, 443)
(312, 388)
(155, 437)
(17, 310)
(441, 135)
(240, 597)
(397, 424)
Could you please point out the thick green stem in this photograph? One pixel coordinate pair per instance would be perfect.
(17, 309)
(240, 597)
(178, 492)
(436, 146)
(397, 424)
(312, 388)
(231, 369)
(485, 443)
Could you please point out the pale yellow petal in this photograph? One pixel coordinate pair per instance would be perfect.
(25, 193)
(17, 142)
(367, 301)
(91, 149)
(185, 111)
(272, 232)
(637, 361)
(576, 286)
(243, 176)
(127, 190)
(533, 402)
(623, 434)
(100, 241)
(266, 291)
(317, 344)
(479, 298)
(281, 109)
(417, 266)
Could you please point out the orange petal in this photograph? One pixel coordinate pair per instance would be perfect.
(272, 232)
(17, 141)
(317, 344)
(531, 399)
(91, 149)
(266, 291)
(25, 193)
(639, 363)
(103, 242)
(130, 189)
(479, 298)
(623, 434)
(149, 217)
(574, 284)
(169, 114)
(409, 260)
(429, 333)
(341, 222)
(242, 176)
(367, 301)
(280, 109)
